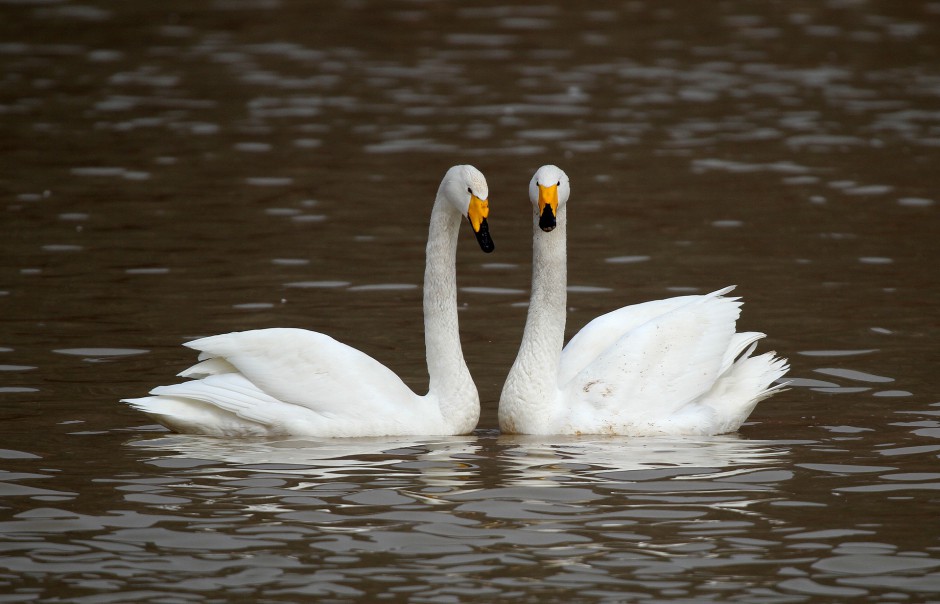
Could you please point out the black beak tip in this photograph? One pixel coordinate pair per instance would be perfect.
(484, 239)
(547, 219)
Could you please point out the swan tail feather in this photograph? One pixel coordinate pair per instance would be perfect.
(191, 416)
(234, 394)
(742, 346)
(749, 381)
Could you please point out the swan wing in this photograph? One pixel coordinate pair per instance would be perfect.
(600, 334)
(309, 370)
(653, 370)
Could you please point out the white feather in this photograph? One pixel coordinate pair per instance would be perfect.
(296, 382)
(673, 366)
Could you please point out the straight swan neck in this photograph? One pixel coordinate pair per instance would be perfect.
(531, 388)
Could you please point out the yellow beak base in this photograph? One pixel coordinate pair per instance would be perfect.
(479, 210)
(548, 207)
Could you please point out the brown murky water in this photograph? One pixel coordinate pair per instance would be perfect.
(179, 169)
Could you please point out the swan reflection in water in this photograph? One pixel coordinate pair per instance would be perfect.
(558, 460)
(436, 460)
(485, 459)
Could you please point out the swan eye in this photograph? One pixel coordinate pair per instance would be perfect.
(469, 190)
(558, 184)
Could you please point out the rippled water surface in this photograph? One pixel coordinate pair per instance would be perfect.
(177, 169)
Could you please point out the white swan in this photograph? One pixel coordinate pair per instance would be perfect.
(273, 382)
(671, 367)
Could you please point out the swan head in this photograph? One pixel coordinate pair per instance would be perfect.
(549, 191)
(465, 189)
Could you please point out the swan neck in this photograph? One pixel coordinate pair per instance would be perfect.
(450, 380)
(544, 334)
(529, 400)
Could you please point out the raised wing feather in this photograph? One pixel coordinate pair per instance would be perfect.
(655, 369)
(600, 334)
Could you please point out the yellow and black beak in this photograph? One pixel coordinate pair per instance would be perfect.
(548, 207)
(479, 210)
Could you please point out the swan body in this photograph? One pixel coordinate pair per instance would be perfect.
(277, 382)
(666, 367)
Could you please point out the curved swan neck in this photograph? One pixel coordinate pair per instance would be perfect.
(450, 380)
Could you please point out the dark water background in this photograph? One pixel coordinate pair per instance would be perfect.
(176, 169)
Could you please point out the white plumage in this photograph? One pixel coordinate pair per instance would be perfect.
(673, 366)
(285, 381)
